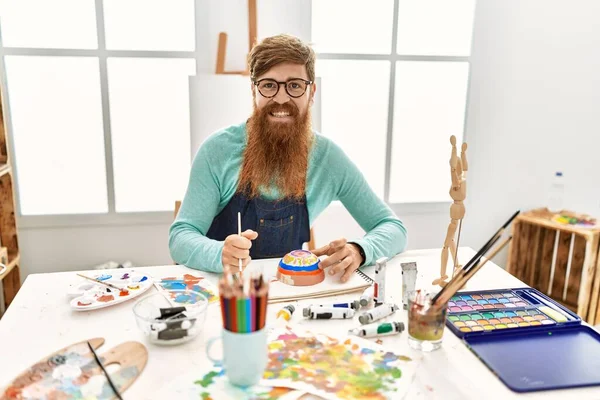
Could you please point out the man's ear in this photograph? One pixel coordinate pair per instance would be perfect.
(313, 89)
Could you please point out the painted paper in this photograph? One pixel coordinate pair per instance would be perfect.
(171, 285)
(336, 368)
(214, 385)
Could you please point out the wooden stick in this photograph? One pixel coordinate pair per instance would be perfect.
(252, 29)
(221, 50)
(104, 283)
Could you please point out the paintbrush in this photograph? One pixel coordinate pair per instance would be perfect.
(104, 283)
(240, 233)
(462, 279)
(489, 243)
(475, 259)
(452, 286)
(110, 382)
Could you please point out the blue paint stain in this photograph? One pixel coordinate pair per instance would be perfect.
(104, 277)
(143, 278)
(173, 285)
(183, 298)
(367, 351)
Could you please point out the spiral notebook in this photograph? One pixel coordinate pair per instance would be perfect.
(332, 286)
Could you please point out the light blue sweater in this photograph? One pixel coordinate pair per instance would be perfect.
(331, 176)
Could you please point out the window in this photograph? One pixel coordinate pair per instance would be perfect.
(97, 96)
(394, 79)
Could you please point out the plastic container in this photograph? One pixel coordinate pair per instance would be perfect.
(179, 325)
(556, 193)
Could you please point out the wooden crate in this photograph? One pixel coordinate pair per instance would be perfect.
(558, 260)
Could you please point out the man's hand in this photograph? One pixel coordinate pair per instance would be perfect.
(237, 247)
(342, 256)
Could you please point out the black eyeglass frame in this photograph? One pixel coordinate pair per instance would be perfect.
(307, 82)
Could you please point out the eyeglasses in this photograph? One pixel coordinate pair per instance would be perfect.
(270, 87)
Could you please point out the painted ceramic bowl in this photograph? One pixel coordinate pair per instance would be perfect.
(300, 268)
(168, 323)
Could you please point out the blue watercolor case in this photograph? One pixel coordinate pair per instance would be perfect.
(564, 354)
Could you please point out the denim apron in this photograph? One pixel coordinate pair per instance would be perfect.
(282, 225)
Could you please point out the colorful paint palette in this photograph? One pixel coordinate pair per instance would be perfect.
(89, 295)
(489, 321)
(486, 301)
(526, 333)
(488, 311)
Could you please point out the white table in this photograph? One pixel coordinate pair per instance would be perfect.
(39, 321)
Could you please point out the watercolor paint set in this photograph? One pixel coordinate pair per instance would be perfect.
(487, 311)
(521, 335)
(108, 290)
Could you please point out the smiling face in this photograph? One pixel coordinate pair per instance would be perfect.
(283, 107)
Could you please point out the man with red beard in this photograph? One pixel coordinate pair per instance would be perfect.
(280, 175)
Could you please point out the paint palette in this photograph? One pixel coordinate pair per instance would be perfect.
(488, 311)
(91, 296)
(73, 373)
(537, 332)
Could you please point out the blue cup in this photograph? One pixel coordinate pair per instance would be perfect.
(244, 356)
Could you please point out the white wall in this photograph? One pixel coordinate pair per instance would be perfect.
(534, 101)
(534, 97)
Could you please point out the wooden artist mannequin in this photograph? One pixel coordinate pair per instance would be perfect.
(458, 192)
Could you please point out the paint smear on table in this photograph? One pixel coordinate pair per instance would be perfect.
(336, 368)
(172, 286)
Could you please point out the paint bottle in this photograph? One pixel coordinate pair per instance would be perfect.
(383, 329)
(367, 296)
(355, 305)
(379, 289)
(409, 279)
(327, 312)
(286, 312)
(379, 312)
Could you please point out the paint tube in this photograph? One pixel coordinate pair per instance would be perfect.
(286, 312)
(327, 312)
(379, 291)
(409, 279)
(367, 296)
(355, 305)
(383, 329)
(378, 312)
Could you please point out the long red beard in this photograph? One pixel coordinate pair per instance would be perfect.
(276, 154)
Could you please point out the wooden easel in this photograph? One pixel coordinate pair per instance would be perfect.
(222, 49)
(458, 192)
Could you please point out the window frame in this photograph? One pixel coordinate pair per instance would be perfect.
(113, 218)
(425, 207)
(110, 218)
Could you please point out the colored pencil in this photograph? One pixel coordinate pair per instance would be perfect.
(243, 302)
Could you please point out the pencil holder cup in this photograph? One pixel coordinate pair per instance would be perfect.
(244, 356)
